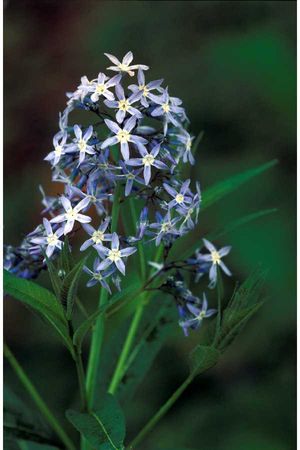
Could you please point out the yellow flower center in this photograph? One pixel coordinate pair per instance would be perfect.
(71, 214)
(145, 90)
(114, 255)
(189, 144)
(101, 88)
(123, 67)
(58, 150)
(201, 315)
(166, 226)
(82, 145)
(97, 276)
(166, 107)
(123, 105)
(92, 198)
(216, 258)
(123, 136)
(179, 198)
(52, 239)
(98, 237)
(148, 160)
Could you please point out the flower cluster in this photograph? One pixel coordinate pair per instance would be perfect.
(135, 146)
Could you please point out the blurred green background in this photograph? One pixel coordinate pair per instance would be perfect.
(234, 66)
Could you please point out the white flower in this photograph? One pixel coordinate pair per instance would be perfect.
(124, 66)
(72, 214)
(51, 239)
(101, 87)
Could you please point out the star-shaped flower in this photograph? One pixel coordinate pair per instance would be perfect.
(143, 90)
(198, 314)
(101, 87)
(72, 214)
(148, 160)
(59, 141)
(215, 258)
(81, 143)
(123, 136)
(124, 65)
(51, 240)
(97, 236)
(124, 105)
(114, 255)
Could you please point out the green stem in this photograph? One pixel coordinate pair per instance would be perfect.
(95, 352)
(41, 405)
(219, 315)
(117, 376)
(98, 333)
(160, 413)
(81, 380)
(121, 364)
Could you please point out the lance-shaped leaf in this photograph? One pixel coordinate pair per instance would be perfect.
(84, 328)
(54, 277)
(159, 324)
(203, 358)
(70, 286)
(246, 300)
(104, 428)
(41, 300)
(221, 189)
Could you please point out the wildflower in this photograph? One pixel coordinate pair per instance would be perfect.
(51, 240)
(144, 90)
(167, 109)
(124, 66)
(114, 255)
(97, 236)
(187, 140)
(123, 136)
(102, 87)
(81, 143)
(72, 214)
(181, 198)
(148, 160)
(165, 226)
(215, 258)
(124, 105)
(59, 141)
(130, 176)
(97, 276)
(197, 315)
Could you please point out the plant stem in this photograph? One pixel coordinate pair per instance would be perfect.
(161, 412)
(219, 315)
(95, 351)
(98, 333)
(117, 376)
(140, 245)
(119, 371)
(41, 405)
(81, 380)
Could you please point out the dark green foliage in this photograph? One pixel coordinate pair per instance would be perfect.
(104, 428)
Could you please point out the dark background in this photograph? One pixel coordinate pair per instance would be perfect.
(233, 64)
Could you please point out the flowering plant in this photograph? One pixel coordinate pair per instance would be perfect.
(125, 200)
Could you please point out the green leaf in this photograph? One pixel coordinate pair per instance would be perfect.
(245, 302)
(54, 277)
(20, 420)
(159, 324)
(242, 221)
(203, 358)
(104, 428)
(29, 445)
(83, 329)
(221, 189)
(41, 300)
(65, 260)
(70, 286)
